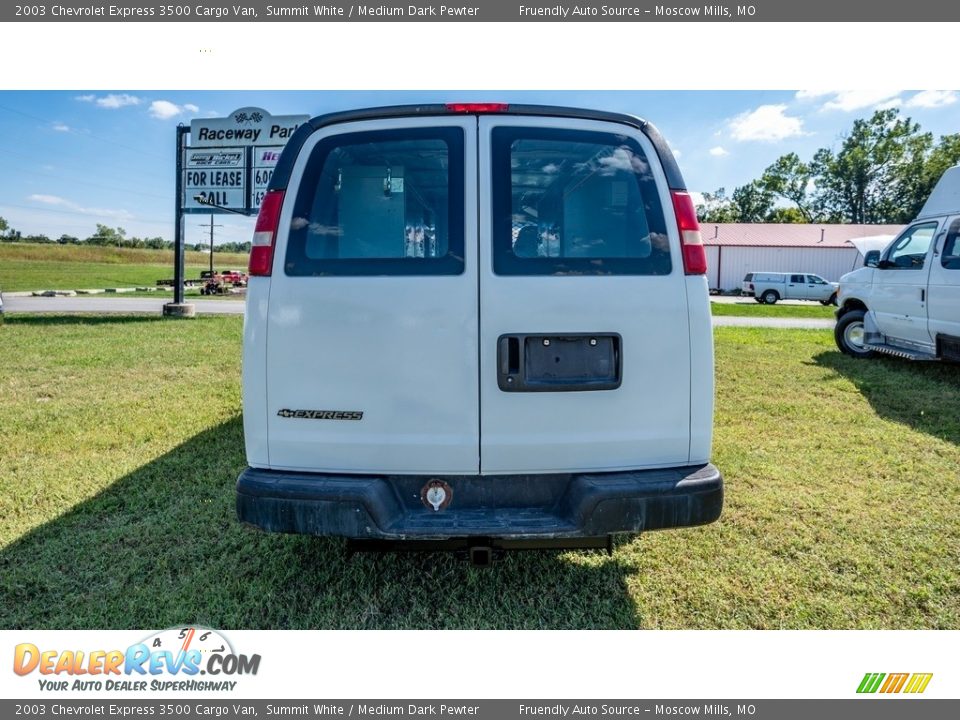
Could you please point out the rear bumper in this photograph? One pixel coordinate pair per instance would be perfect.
(547, 507)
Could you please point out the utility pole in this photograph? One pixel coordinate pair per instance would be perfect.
(211, 226)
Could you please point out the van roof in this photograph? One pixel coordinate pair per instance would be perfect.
(945, 198)
(284, 167)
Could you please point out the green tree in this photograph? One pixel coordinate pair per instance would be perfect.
(792, 179)
(870, 178)
(941, 157)
(106, 235)
(752, 203)
(784, 215)
(716, 208)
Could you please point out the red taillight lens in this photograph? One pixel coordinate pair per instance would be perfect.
(694, 256)
(477, 107)
(265, 234)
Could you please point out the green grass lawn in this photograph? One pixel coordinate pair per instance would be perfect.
(26, 266)
(122, 439)
(755, 309)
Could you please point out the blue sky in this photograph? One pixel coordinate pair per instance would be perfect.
(72, 159)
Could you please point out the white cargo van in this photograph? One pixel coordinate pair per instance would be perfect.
(484, 324)
(906, 300)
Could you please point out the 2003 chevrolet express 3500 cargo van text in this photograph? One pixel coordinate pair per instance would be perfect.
(482, 326)
(906, 301)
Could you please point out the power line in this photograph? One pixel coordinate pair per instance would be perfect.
(84, 181)
(84, 135)
(112, 218)
(86, 164)
(211, 226)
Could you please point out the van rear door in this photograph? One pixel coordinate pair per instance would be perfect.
(584, 329)
(372, 321)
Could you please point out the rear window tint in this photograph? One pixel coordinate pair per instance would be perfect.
(380, 203)
(569, 202)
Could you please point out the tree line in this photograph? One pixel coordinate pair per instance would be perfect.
(882, 173)
(107, 236)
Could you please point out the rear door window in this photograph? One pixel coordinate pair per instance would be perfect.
(570, 202)
(381, 203)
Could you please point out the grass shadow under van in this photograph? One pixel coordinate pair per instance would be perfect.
(924, 396)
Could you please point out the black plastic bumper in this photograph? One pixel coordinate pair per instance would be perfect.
(547, 507)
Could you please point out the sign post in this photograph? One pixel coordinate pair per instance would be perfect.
(226, 168)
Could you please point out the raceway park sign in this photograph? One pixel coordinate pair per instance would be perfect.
(230, 160)
(246, 126)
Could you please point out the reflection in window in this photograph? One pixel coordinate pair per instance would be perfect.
(383, 202)
(571, 202)
(910, 250)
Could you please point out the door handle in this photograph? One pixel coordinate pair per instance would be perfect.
(923, 294)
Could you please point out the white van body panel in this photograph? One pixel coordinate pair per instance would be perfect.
(943, 295)
(255, 407)
(701, 369)
(642, 424)
(400, 349)
(417, 354)
(898, 299)
(945, 197)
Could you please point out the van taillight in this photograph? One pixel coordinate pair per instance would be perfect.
(265, 234)
(477, 107)
(694, 256)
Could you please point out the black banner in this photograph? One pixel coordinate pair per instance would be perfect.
(227, 709)
(485, 11)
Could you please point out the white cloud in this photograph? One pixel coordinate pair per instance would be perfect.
(813, 94)
(164, 109)
(111, 101)
(114, 102)
(850, 100)
(768, 123)
(932, 99)
(60, 127)
(895, 102)
(58, 201)
(719, 151)
(697, 197)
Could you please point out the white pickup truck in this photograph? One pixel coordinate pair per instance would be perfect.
(905, 301)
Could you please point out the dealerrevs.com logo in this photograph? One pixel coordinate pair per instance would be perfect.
(178, 659)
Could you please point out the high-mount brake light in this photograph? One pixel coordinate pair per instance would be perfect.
(265, 234)
(477, 107)
(694, 255)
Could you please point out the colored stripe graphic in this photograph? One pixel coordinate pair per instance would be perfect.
(918, 683)
(894, 683)
(870, 682)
